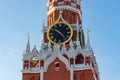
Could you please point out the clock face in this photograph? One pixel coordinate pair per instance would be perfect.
(60, 32)
(34, 59)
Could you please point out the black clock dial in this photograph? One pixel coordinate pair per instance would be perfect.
(60, 33)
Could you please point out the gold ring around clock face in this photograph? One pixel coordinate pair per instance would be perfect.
(60, 33)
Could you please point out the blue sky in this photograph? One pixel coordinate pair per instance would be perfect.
(19, 17)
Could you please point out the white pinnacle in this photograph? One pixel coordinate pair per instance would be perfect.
(28, 44)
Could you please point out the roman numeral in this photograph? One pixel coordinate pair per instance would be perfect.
(60, 25)
(51, 34)
(55, 26)
(67, 28)
(55, 40)
(68, 32)
(67, 36)
(51, 37)
(59, 41)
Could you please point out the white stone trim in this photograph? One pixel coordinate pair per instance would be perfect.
(84, 68)
(94, 74)
(63, 8)
(60, 17)
(53, 57)
(71, 74)
(41, 75)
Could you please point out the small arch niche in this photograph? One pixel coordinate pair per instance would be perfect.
(57, 66)
(79, 59)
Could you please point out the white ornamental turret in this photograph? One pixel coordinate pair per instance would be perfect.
(88, 41)
(28, 44)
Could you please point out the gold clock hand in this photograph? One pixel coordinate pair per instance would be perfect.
(60, 33)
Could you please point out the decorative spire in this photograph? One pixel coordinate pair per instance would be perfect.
(43, 23)
(28, 44)
(78, 35)
(42, 50)
(43, 30)
(88, 40)
(34, 50)
(82, 37)
(48, 3)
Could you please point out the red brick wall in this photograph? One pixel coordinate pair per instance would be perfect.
(60, 73)
(84, 75)
(31, 76)
(68, 15)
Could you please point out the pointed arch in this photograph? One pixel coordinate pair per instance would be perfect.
(79, 59)
(57, 64)
(53, 57)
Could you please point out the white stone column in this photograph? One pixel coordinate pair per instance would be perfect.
(41, 75)
(71, 74)
(84, 60)
(74, 61)
(29, 65)
(39, 64)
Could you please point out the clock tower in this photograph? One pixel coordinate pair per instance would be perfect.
(65, 53)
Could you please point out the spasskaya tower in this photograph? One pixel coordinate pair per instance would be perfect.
(65, 53)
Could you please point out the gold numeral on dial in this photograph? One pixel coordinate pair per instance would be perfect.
(67, 28)
(59, 41)
(55, 40)
(68, 32)
(51, 37)
(60, 25)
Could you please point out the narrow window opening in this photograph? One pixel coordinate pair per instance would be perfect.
(74, 77)
(57, 66)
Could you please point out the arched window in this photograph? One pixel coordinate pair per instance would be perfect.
(57, 66)
(79, 59)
